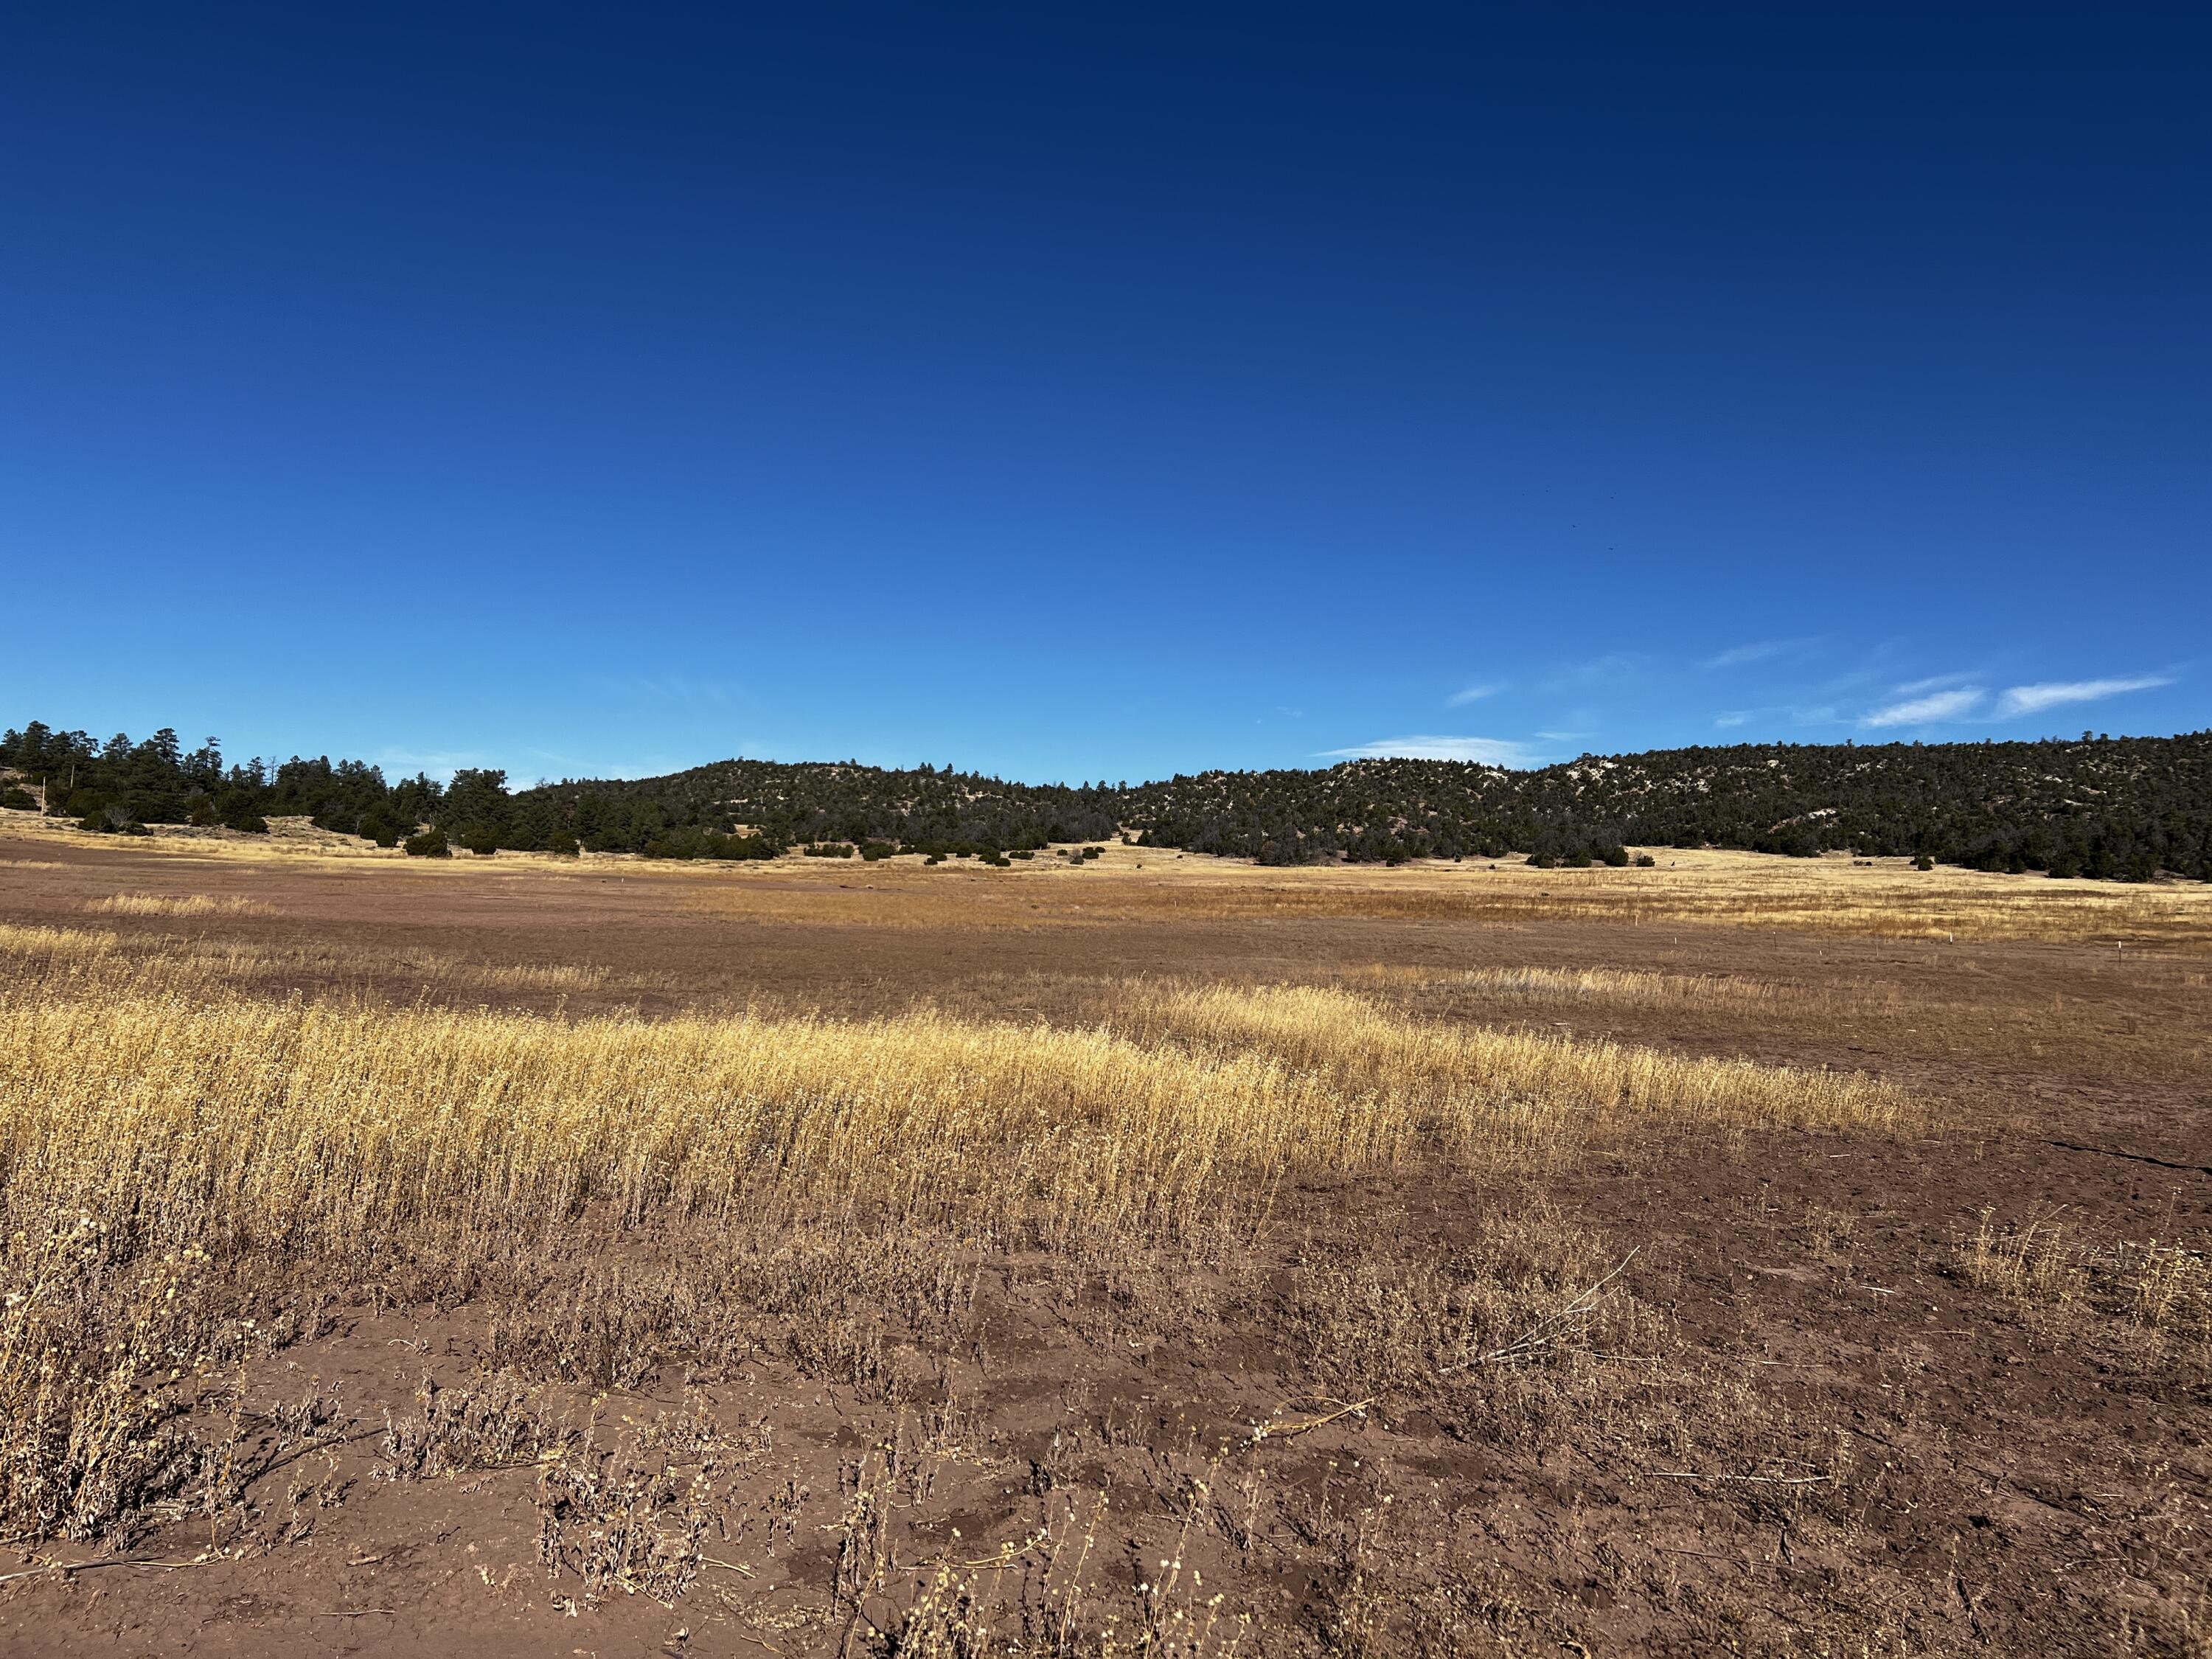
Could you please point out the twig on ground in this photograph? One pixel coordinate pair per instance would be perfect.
(107, 1561)
(1271, 1430)
(1548, 1330)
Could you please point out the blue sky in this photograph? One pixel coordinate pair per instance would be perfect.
(1081, 392)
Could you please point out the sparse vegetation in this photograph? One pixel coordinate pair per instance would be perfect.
(1084, 1308)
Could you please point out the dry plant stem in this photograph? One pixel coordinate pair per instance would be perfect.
(1548, 1331)
(110, 1561)
(1284, 1430)
(1744, 1479)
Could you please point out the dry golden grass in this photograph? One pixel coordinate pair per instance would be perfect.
(1475, 1085)
(56, 941)
(160, 1133)
(118, 1097)
(1608, 987)
(1883, 899)
(190, 904)
(2046, 1266)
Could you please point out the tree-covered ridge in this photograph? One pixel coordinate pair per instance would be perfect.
(784, 804)
(2123, 808)
(731, 809)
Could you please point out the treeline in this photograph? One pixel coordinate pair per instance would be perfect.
(724, 808)
(730, 810)
(2124, 809)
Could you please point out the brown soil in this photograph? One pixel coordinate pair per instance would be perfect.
(1829, 1426)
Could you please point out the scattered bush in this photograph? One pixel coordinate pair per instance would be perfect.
(1645, 861)
(430, 844)
(481, 838)
(16, 800)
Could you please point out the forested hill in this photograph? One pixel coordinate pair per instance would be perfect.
(2118, 807)
(2125, 808)
(785, 804)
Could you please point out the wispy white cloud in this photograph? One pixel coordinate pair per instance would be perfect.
(1473, 694)
(1741, 656)
(1730, 719)
(1922, 711)
(1486, 751)
(2032, 699)
(1934, 682)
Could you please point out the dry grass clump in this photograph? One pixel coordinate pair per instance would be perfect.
(56, 941)
(2163, 1288)
(190, 904)
(1625, 986)
(1472, 1086)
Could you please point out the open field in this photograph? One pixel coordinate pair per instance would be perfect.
(526, 1256)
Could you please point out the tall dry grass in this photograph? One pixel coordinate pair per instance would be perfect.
(189, 904)
(1473, 1085)
(287, 1122)
(1623, 988)
(41, 941)
(173, 1154)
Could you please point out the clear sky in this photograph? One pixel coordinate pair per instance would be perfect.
(1077, 391)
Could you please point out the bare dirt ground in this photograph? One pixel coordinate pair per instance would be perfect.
(1775, 1391)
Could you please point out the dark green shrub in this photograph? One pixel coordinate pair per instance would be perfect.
(200, 810)
(1645, 861)
(481, 838)
(1541, 861)
(16, 800)
(430, 844)
(561, 843)
(1615, 856)
(1923, 862)
(246, 819)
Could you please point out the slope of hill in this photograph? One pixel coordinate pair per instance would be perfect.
(2124, 808)
(784, 804)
